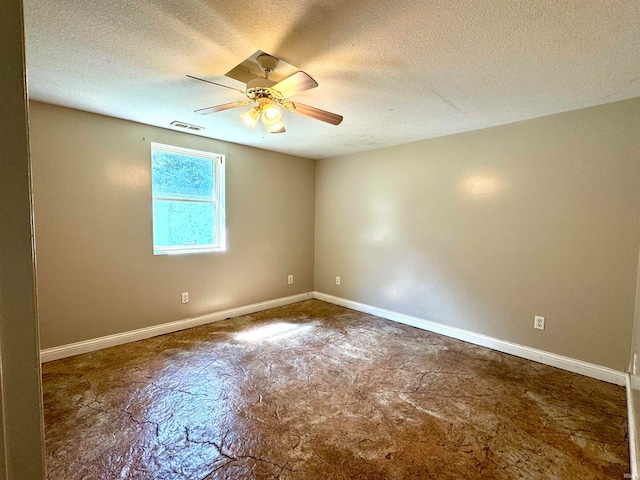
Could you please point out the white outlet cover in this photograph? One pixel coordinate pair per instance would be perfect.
(185, 297)
(538, 322)
(290, 279)
(337, 280)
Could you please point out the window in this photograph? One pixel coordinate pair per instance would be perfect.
(188, 200)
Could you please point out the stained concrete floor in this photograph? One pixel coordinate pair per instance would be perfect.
(316, 391)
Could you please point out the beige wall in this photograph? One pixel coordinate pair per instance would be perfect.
(21, 425)
(635, 346)
(97, 273)
(481, 230)
(484, 230)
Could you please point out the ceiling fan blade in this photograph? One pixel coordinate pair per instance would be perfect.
(214, 83)
(317, 114)
(220, 108)
(296, 83)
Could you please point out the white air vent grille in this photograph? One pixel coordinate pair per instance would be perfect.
(186, 126)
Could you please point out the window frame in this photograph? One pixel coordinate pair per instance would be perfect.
(218, 201)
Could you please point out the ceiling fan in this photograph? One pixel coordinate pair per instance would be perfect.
(267, 95)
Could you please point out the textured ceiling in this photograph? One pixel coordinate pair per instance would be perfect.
(398, 71)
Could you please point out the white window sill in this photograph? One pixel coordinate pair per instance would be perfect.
(184, 251)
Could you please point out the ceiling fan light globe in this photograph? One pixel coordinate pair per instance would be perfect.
(271, 115)
(250, 118)
(276, 127)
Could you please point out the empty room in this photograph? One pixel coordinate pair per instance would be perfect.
(320, 239)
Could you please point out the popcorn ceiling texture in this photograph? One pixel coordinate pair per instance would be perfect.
(397, 71)
(317, 391)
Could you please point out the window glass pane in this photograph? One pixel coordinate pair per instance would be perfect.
(181, 176)
(183, 223)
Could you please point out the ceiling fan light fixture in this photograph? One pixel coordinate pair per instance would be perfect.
(271, 114)
(251, 117)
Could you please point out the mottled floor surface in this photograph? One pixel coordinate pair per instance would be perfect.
(316, 391)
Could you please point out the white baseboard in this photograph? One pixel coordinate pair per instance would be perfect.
(63, 351)
(633, 457)
(552, 359)
(576, 366)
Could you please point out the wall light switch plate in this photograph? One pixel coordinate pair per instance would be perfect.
(538, 323)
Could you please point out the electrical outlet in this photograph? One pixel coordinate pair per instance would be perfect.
(337, 280)
(290, 279)
(538, 323)
(185, 297)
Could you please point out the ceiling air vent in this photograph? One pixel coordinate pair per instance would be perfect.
(186, 126)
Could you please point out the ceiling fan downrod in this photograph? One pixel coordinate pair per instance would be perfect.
(267, 64)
